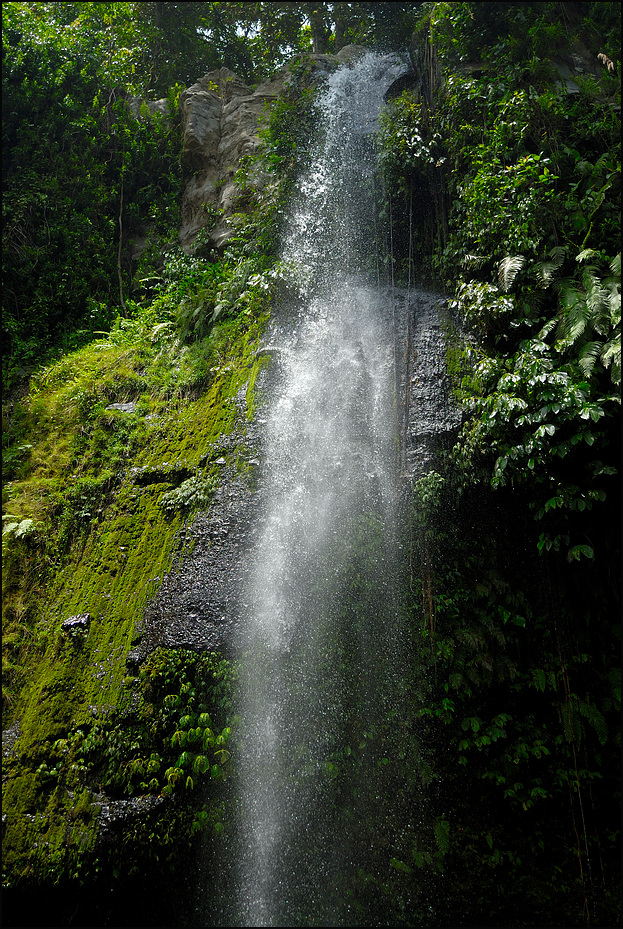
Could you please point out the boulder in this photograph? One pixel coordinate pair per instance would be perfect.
(77, 624)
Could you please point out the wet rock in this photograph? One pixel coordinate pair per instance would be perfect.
(78, 623)
(432, 415)
(197, 607)
(115, 813)
(10, 735)
(123, 407)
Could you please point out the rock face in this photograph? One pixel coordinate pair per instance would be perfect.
(221, 120)
(197, 605)
(432, 415)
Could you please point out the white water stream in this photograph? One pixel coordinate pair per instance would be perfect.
(323, 646)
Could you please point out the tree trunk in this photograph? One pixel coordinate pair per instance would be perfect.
(341, 14)
(316, 13)
(119, 274)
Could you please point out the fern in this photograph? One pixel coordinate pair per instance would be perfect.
(18, 530)
(611, 358)
(545, 270)
(594, 309)
(547, 328)
(508, 269)
(589, 353)
(590, 712)
(473, 261)
(598, 302)
(576, 313)
(195, 492)
(586, 253)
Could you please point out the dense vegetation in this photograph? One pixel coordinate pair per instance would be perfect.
(513, 176)
(85, 179)
(503, 174)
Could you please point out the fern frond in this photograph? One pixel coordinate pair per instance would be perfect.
(558, 254)
(585, 254)
(613, 300)
(611, 358)
(590, 712)
(576, 313)
(547, 328)
(508, 269)
(615, 266)
(546, 270)
(473, 261)
(596, 297)
(588, 356)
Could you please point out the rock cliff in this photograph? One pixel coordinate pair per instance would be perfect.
(221, 121)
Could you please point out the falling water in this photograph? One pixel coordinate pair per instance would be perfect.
(324, 649)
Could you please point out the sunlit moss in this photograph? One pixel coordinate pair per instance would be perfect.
(101, 545)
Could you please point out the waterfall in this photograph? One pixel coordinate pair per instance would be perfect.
(325, 645)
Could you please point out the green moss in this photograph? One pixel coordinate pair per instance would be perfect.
(104, 544)
(51, 824)
(46, 833)
(459, 356)
(21, 794)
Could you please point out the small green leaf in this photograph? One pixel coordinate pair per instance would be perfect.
(399, 865)
(575, 553)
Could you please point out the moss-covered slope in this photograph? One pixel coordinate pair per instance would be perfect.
(95, 512)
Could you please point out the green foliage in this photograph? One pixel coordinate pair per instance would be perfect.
(545, 413)
(194, 295)
(75, 163)
(502, 142)
(195, 492)
(81, 202)
(73, 506)
(408, 145)
(128, 753)
(521, 725)
(590, 318)
(81, 503)
(182, 696)
(275, 32)
(293, 120)
(534, 184)
(512, 613)
(18, 530)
